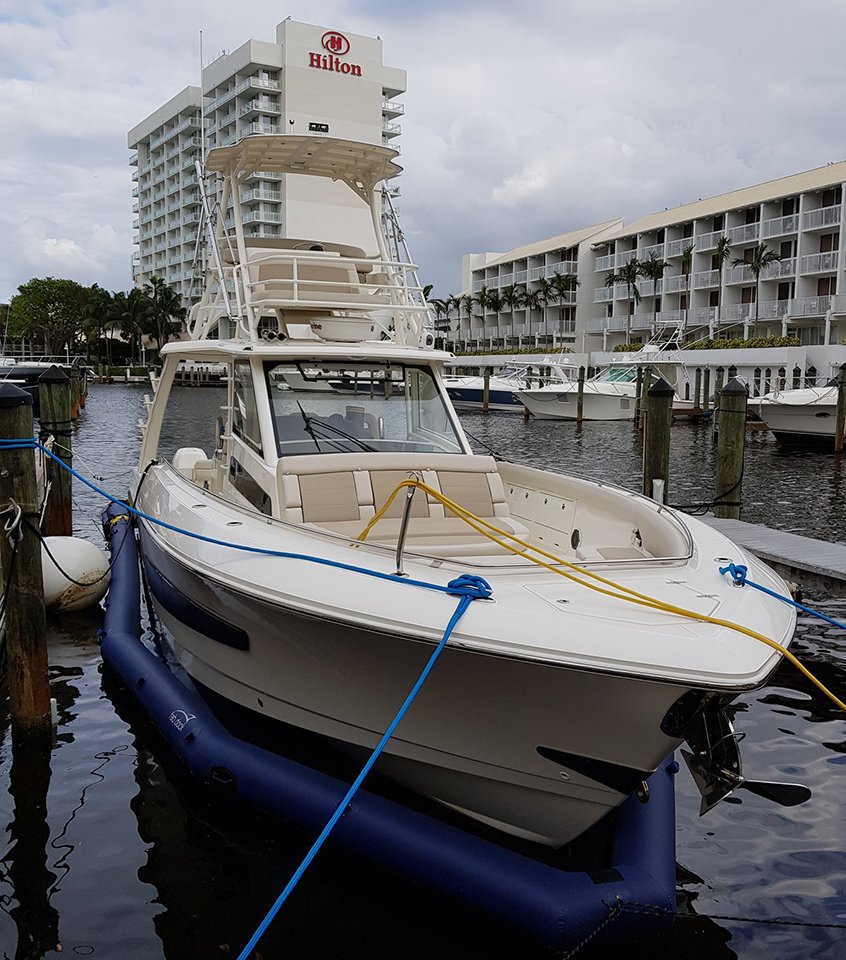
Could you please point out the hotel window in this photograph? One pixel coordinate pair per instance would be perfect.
(719, 221)
(832, 197)
(788, 207)
(826, 286)
(829, 241)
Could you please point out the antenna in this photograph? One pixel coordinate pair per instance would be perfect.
(202, 109)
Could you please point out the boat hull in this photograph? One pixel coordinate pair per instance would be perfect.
(561, 403)
(537, 750)
(813, 423)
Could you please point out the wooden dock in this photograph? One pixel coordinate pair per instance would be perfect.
(817, 566)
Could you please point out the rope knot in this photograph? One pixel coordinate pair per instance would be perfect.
(737, 572)
(468, 585)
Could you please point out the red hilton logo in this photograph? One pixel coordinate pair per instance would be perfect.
(335, 42)
(337, 46)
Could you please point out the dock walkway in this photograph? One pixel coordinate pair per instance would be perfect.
(817, 566)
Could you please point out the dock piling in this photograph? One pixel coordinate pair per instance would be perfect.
(638, 387)
(656, 440)
(20, 561)
(733, 399)
(840, 422)
(54, 398)
(580, 401)
(486, 390)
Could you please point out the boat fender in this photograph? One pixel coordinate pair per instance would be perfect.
(76, 576)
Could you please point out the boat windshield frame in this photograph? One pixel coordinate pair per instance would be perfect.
(359, 406)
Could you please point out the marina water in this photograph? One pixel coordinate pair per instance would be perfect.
(113, 851)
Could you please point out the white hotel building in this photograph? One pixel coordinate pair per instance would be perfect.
(800, 217)
(312, 79)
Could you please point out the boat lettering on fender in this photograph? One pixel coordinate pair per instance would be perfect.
(180, 719)
(337, 46)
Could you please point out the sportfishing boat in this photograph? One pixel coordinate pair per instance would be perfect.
(612, 393)
(297, 591)
(804, 415)
(467, 392)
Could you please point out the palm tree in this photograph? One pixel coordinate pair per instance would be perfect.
(128, 312)
(627, 274)
(166, 311)
(545, 293)
(761, 257)
(562, 284)
(722, 252)
(687, 268)
(512, 298)
(653, 268)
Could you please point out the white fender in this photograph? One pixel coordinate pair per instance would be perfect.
(80, 559)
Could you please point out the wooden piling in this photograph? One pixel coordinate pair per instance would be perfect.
(646, 382)
(580, 399)
(528, 387)
(26, 632)
(486, 390)
(54, 398)
(840, 422)
(706, 389)
(697, 390)
(75, 395)
(656, 440)
(638, 387)
(732, 409)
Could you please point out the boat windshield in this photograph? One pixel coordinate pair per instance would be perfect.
(618, 375)
(344, 407)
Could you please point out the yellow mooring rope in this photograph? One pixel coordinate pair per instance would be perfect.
(577, 574)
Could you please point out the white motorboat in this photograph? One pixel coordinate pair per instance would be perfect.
(552, 700)
(807, 414)
(467, 392)
(612, 393)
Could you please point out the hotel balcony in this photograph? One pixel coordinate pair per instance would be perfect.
(822, 218)
(255, 127)
(677, 284)
(251, 196)
(657, 249)
(675, 248)
(707, 241)
(747, 233)
(258, 216)
(820, 263)
(621, 259)
(259, 105)
(604, 263)
(780, 226)
(392, 109)
(133, 159)
(190, 123)
(390, 129)
(253, 83)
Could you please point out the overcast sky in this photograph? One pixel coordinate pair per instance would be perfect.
(520, 124)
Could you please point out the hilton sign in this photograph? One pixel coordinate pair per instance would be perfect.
(337, 46)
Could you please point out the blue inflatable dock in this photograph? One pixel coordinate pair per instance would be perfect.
(553, 907)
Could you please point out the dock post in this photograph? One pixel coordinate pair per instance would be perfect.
(638, 386)
(697, 391)
(528, 387)
(645, 385)
(580, 401)
(26, 630)
(54, 398)
(656, 440)
(840, 422)
(706, 390)
(74, 395)
(486, 390)
(732, 436)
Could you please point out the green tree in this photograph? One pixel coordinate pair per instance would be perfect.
(129, 312)
(628, 274)
(760, 257)
(166, 313)
(722, 252)
(562, 284)
(51, 310)
(96, 319)
(652, 268)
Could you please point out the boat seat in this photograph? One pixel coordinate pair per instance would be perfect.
(342, 492)
(319, 280)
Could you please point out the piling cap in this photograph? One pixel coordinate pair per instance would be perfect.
(734, 386)
(661, 389)
(12, 396)
(54, 374)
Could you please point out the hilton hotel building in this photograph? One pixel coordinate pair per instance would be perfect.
(312, 79)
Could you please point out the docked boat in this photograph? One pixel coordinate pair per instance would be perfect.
(804, 415)
(612, 393)
(467, 392)
(554, 698)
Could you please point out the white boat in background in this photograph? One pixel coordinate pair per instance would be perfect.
(552, 701)
(612, 393)
(808, 414)
(467, 392)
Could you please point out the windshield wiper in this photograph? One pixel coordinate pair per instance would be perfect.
(311, 423)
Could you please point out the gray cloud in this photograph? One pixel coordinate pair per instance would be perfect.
(520, 124)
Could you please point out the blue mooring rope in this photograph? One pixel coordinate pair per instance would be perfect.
(466, 587)
(737, 571)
